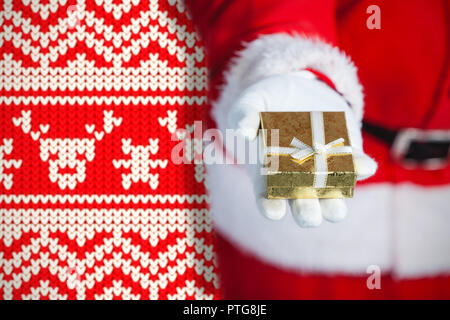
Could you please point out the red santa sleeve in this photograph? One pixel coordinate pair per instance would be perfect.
(248, 40)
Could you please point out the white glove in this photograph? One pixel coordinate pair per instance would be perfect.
(299, 91)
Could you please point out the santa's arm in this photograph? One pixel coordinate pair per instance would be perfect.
(261, 54)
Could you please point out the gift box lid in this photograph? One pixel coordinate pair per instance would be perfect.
(285, 171)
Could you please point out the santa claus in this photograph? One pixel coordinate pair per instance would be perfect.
(386, 64)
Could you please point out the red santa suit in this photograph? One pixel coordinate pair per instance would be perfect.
(399, 219)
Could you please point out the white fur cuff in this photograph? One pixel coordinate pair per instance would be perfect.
(279, 54)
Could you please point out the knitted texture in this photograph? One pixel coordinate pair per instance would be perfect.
(91, 205)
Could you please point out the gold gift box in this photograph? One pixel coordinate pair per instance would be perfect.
(294, 179)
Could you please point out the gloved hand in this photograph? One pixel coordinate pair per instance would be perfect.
(299, 91)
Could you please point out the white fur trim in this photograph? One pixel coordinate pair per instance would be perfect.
(279, 54)
(404, 229)
(362, 239)
(421, 220)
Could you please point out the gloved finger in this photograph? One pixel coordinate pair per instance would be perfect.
(244, 114)
(273, 209)
(306, 212)
(365, 166)
(333, 210)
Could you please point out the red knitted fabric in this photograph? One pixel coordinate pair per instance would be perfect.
(91, 205)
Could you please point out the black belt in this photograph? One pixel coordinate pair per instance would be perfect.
(414, 147)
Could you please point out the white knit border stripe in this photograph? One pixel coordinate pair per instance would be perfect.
(279, 54)
(117, 216)
(109, 100)
(102, 198)
(113, 82)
